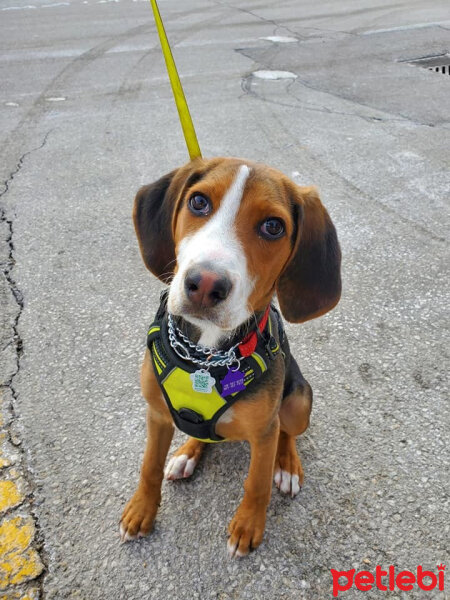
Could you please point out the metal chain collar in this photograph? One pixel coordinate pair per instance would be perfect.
(214, 357)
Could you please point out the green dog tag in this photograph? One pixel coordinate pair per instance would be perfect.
(202, 381)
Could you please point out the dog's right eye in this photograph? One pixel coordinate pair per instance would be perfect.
(200, 204)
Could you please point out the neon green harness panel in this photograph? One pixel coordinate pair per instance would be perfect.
(178, 386)
(195, 412)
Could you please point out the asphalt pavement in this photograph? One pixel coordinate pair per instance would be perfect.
(325, 92)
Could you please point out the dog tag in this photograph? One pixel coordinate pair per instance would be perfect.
(202, 381)
(232, 382)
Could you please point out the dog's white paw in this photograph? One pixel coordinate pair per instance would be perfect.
(180, 467)
(288, 483)
(125, 536)
(233, 551)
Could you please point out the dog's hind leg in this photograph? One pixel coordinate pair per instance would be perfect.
(288, 475)
(294, 419)
(185, 459)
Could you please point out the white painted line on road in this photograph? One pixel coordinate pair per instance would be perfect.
(18, 7)
(200, 43)
(281, 39)
(27, 55)
(56, 99)
(407, 27)
(274, 75)
(143, 46)
(56, 4)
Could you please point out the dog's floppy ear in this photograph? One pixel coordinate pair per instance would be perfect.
(154, 210)
(152, 216)
(310, 284)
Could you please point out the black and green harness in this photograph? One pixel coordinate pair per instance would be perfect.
(196, 412)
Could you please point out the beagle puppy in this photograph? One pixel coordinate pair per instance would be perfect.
(227, 235)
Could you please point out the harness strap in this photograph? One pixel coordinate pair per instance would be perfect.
(248, 344)
(195, 413)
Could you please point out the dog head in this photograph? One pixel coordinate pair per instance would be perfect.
(227, 234)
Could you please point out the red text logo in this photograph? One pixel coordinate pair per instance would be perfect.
(388, 580)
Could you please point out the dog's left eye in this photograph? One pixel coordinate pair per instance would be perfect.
(200, 204)
(272, 228)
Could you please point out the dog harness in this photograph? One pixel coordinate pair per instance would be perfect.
(197, 398)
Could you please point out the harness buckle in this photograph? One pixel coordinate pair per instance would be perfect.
(190, 415)
(272, 348)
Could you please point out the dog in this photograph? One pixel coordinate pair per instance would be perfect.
(228, 234)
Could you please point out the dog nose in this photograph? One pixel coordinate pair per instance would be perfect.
(206, 288)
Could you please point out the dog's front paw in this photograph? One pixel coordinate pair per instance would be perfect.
(246, 531)
(137, 517)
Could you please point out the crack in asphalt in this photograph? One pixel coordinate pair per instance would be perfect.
(7, 268)
(19, 166)
(248, 89)
(261, 18)
(246, 86)
(296, 34)
(363, 105)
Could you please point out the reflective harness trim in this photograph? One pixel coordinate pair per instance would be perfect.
(197, 413)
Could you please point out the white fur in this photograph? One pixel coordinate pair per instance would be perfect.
(285, 486)
(286, 482)
(226, 417)
(126, 537)
(233, 551)
(210, 332)
(217, 241)
(180, 467)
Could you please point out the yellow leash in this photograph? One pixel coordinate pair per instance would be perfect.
(180, 99)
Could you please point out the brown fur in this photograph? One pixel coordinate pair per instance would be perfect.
(303, 267)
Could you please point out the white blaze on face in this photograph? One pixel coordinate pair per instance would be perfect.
(217, 242)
